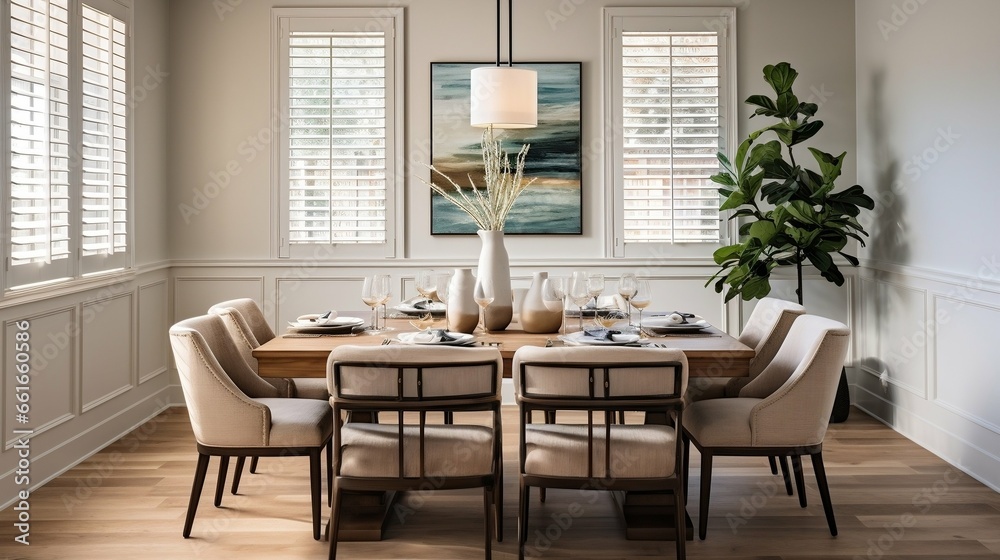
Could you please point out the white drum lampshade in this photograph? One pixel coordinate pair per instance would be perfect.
(504, 97)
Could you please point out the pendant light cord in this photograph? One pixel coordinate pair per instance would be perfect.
(510, 33)
(498, 33)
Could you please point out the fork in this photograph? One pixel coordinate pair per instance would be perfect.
(386, 341)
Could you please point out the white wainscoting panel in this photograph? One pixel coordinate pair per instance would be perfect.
(899, 323)
(193, 295)
(154, 322)
(53, 371)
(968, 360)
(106, 335)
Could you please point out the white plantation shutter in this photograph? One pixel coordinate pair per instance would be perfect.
(338, 89)
(68, 154)
(670, 85)
(39, 142)
(103, 156)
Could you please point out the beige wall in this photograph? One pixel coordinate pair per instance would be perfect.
(929, 294)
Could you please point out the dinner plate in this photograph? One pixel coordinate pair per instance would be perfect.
(461, 339)
(340, 324)
(579, 338)
(434, 308)
(662, 325)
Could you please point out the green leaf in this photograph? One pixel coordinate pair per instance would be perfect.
(723, 178)
(779, 216)
(729, 252)
(805, 132)
(822, 261)
(756, 288)
(802, 211)
(854, 195)
(808, 109)
(780, 76)
(828, 164)
(850, 258)
(763, 230)
(788, 105)
(741, 155)
(763, 153)
(735, 200)
(779, 169)
(724, 161)
(765, 105)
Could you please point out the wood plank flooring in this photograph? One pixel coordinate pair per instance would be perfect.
(892, 498)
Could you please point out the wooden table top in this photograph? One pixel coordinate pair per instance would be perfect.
(715, 355)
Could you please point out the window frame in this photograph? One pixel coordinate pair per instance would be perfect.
(391, 20)
(722, 20)
(78, 269)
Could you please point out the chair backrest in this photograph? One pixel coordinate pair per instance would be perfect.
(240, 333)
(767, 328)
(221, 412)
(253, 316)
(417, 377)
(797, 412)
(599, 377)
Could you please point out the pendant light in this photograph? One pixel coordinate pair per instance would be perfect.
(504, 96)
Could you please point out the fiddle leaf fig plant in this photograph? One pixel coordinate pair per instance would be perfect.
(789, 214)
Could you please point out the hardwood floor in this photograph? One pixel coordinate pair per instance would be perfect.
(892, 498)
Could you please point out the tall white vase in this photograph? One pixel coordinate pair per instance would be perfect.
(494, 265)
(463, 312)
(535, 316)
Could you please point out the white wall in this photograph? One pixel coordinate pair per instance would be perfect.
(100, 364)
(928, 297)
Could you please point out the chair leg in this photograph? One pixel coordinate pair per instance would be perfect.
(329, 472)
(783, 463)
(800, 479)
(824, 491)
(199, 482)
(498, 500)
(706, 490)
(522, 519)
(220, 485)
(338, 501)
(253, 465)
(316, 484)
(773, 463)
(541, 495)
(680, 521)
(686, 463)
(237, 474)
(488, 522)
(449, 417)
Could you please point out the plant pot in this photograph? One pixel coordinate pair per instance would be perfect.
(536, 317)
(495, 266)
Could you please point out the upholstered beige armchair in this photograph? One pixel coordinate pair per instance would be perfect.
(590, 455)
(229, 423)
(784, 419)
(400, 456)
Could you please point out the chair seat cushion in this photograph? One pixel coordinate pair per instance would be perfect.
(298, 422)
(720, 422)
(637, 451)
(311, 388)
(371, 450)
(704, 388)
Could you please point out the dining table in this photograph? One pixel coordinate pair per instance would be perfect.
(710, 352)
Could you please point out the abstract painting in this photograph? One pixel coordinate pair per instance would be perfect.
(553, 203)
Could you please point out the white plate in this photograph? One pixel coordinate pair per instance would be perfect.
(662, 325)
(579, 338)
(340, 324)
(435, 308)
(461, 339)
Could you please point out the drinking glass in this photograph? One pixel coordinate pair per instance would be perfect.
(441, 281)
(371, 298)
(579, 292)
(383, 283)
(483, 294)
(626, 289)
(553, 294)
(595, 285)
(641, 299)
(607, 317)
(427, 283)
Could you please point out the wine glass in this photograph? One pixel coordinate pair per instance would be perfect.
(371, 298)
(383, 285)
(427, 283)
(441, 282)
(641, 299)
(483, 294)
(579, 292)
(553, 294)
(595, 285)
(626, 289)
(607, 317)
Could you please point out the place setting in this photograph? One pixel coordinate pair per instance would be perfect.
(325, 324)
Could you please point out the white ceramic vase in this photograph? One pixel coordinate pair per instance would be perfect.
(536, 317)
(463, 313)
(495, 266)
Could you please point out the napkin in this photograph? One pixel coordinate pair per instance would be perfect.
(320, 319)
(426, 337)
(600, 333)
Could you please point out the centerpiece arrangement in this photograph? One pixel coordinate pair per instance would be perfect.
(489, 206)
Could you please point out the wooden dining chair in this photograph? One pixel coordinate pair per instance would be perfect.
(411, 456)
(789, 421)
(601, 454)
(229, 423)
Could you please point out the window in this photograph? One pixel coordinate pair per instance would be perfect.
(340, 100)
(68, 155)
(670, 75)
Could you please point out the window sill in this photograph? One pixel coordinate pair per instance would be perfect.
(15, 297)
